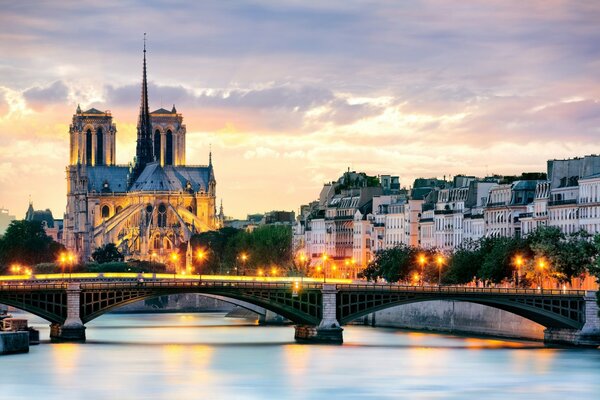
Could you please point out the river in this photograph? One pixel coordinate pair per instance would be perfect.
(208, 356)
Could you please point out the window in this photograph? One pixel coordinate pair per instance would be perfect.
(169, 148)
(105, 211)
(157, 145)
(99, 146)
(162, 215)
(88, 147)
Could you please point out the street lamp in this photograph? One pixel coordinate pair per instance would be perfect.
(440, 262)
(70, 259)
(422, 261)
(519, 264)
(174, 258)
(324, 267)
(541, 267)
(201, 256)
(244, 257)
(274, 271)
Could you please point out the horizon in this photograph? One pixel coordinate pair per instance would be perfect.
(291, 95)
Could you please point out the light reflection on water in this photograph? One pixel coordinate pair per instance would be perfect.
(191, 356)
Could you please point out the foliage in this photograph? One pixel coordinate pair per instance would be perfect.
(464, 264)
(107, 253)
(265, 246)
(131, 266)
(498, 262)
(26, 242)
(393, 264)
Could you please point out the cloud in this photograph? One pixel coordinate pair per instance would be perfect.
(40, 97)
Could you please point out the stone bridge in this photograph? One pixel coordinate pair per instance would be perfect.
(318, 309)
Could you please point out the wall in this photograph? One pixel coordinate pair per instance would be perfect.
(458, 317)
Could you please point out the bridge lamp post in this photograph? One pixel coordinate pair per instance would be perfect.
(15, 269)
(440, 262)
(422, 261)
(273, 271)
(324, 267)
(70, 259)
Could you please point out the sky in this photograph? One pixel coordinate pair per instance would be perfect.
(290, 94)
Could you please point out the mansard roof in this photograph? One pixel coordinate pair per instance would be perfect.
(162, 111)
(173, 178)
(93, 111)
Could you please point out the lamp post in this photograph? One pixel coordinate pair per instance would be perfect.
(62, 260)
(244, 257)
(324, 266)
(201, 256)
(518, 264)
(422, 261)
(440, 262)
(70, 258)
(541, 267)
(302, 264)
(174, 258)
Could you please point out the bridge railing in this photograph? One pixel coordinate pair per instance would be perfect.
(183, 284)
(458, 289)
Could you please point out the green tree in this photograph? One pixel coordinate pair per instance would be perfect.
(393, 265)
(26, 242)
(107, 253)
(464, 264)
(499, 258)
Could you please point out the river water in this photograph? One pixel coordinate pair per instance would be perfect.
(208, 356)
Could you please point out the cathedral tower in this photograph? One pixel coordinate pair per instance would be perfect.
(92, 138)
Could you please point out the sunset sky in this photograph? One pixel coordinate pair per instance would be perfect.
(292, 93)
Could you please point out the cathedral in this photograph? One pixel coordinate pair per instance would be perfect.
(147, 208)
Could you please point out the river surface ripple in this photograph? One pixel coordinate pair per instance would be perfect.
(207, 356)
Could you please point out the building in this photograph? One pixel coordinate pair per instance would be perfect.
(52, 227)
(5, 219)
(147, 208)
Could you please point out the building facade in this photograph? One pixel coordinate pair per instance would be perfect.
(147, 208)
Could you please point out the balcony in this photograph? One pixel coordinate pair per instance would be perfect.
(497, 204)
(562, 202)
(426, 220)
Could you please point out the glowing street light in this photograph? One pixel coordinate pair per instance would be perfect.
(541, 266)
(324, 257)
(274, 271)
(422, 261)
(174, 258)
(519, 264)
(244, 258)
(440, 262)
(70, 259)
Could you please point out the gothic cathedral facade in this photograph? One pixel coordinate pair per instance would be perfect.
(147, 208)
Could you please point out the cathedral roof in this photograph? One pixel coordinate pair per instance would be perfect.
(102, 178)
(172, 178)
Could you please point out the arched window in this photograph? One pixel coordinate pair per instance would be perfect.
(157, 242)
(105, 211)
(169, 148)
(162, 216)
(88, 147)
(118, 209)
(157, 145)
(99, 146)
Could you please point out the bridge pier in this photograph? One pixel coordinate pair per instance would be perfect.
(587, 336)
(328, 331)
(72, 330)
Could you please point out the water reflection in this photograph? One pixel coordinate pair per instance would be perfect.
(190, 356)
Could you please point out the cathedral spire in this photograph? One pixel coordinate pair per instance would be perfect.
(210, 155)
(143, 151)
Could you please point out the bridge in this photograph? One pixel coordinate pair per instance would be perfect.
(318, 309)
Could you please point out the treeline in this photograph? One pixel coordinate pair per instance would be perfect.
(230, 250)
(26, 243)
(545, 253)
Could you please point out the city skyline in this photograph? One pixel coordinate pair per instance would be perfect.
(291, 95)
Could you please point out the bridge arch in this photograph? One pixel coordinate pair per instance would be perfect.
(548, 312)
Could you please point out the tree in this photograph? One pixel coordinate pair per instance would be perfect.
(464, 264)
(26, 242)
(499, 256)
(393, 264)
(107, 253)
